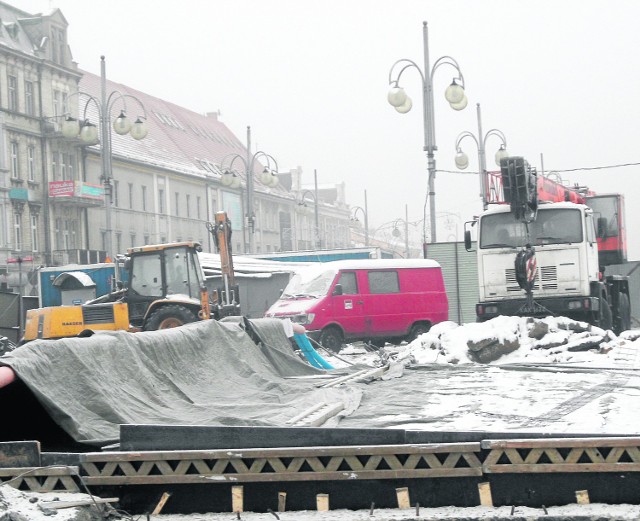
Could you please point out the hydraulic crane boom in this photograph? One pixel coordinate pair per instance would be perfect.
(226, 300)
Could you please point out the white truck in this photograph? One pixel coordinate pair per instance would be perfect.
(537, 257)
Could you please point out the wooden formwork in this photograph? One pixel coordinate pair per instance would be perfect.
(41, 479)
(562, 455)
(336, 463)
(282, 464)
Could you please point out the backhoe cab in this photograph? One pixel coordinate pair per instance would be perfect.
(166, 289)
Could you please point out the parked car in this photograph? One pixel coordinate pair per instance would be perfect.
(376, 300)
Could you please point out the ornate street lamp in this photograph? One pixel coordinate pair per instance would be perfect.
(399, 99)
(88, 134)
(303, 208)
(231, 179)
(365, 214)
(462, 160)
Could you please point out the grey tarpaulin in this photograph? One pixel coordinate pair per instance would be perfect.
(205, 373)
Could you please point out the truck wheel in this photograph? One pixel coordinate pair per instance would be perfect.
(167, 317)
(624, 313)
(418, 329)
(606, 318)
(331, 338)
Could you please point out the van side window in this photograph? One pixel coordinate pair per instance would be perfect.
(383, 282)
(349, 283)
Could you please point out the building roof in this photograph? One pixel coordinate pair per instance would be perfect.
(179, 139)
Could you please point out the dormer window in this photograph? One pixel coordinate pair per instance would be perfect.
(58, 45)
(11, 28)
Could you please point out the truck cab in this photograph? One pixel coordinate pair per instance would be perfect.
(564, 238)
(543, 248)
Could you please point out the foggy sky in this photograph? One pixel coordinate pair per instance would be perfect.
(559, 78)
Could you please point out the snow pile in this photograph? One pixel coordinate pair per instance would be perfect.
(17, 505)
(509, 340)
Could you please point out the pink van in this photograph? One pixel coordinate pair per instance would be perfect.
(374, 300)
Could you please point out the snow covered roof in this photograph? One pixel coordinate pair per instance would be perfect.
(179, 139)
(84, 279)
(248, 266)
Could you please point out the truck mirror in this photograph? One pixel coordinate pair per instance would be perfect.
(337, 290)
(602, 227)
(467, 240)
(127, 264)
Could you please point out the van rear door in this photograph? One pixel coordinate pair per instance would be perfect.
(347, 309)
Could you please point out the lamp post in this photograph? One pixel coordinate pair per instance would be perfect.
(454, 94)
(19, 260)
(462, 161)
(268, 177)
(88, 133)
(396, 232)
(302, 205)
(365, 214)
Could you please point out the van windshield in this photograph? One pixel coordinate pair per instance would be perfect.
(313, 282)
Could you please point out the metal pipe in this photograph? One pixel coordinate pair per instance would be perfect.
(406, 231)
(317, 220)
(249, 181)
(482, 160)
(366, 221)
(429, 130)
(105, 153)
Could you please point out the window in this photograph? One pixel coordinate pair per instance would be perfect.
(66, 235)
(29, 104)
(198, 207)
(146, 275)
(133, 239)
(114, 195)
(188, 204)
(63, 166)
(68, 161)
(57, 45)
(349, 283)
(34, 233)
(18, 229)
(131, 196)
(55, 170)
(31, 163)
(383, 282)
(72, 234)
(177, 208)
(12, 85)
(58, 233)
(57, 103)
(160, 201)
(15, 161)
(118, 242)
(146, 238)
(144, 198)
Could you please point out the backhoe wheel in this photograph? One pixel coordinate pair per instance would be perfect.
(331, 338)
(166, 317)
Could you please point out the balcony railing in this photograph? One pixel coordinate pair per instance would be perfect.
(76, 193)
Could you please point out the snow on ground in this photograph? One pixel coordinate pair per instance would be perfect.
(475, 388)
(17, 505)
(508, 374)
(556, 341)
